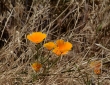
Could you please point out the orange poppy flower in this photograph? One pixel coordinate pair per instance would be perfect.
(50, 45)
(62, 47)
(36, 37)
(36, 66)
(97, 71)
(96, 65)
(59, 52)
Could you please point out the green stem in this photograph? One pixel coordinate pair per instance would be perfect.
(53, 63)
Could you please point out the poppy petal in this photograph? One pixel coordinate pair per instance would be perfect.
(50, 45)
(36, 37)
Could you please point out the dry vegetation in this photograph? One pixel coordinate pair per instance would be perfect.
(84, 23)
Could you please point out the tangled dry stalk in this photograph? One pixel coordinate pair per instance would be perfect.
(84, 23)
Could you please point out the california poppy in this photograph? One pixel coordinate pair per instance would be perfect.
(36, 66)
(63, 46)
(36, 37)
(96, 66)
(59, 48)
(97, 70)
(58, 52)
(50, 45)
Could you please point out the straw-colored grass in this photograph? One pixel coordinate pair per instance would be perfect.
(84, 23)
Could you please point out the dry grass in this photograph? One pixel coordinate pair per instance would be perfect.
(84, 23)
